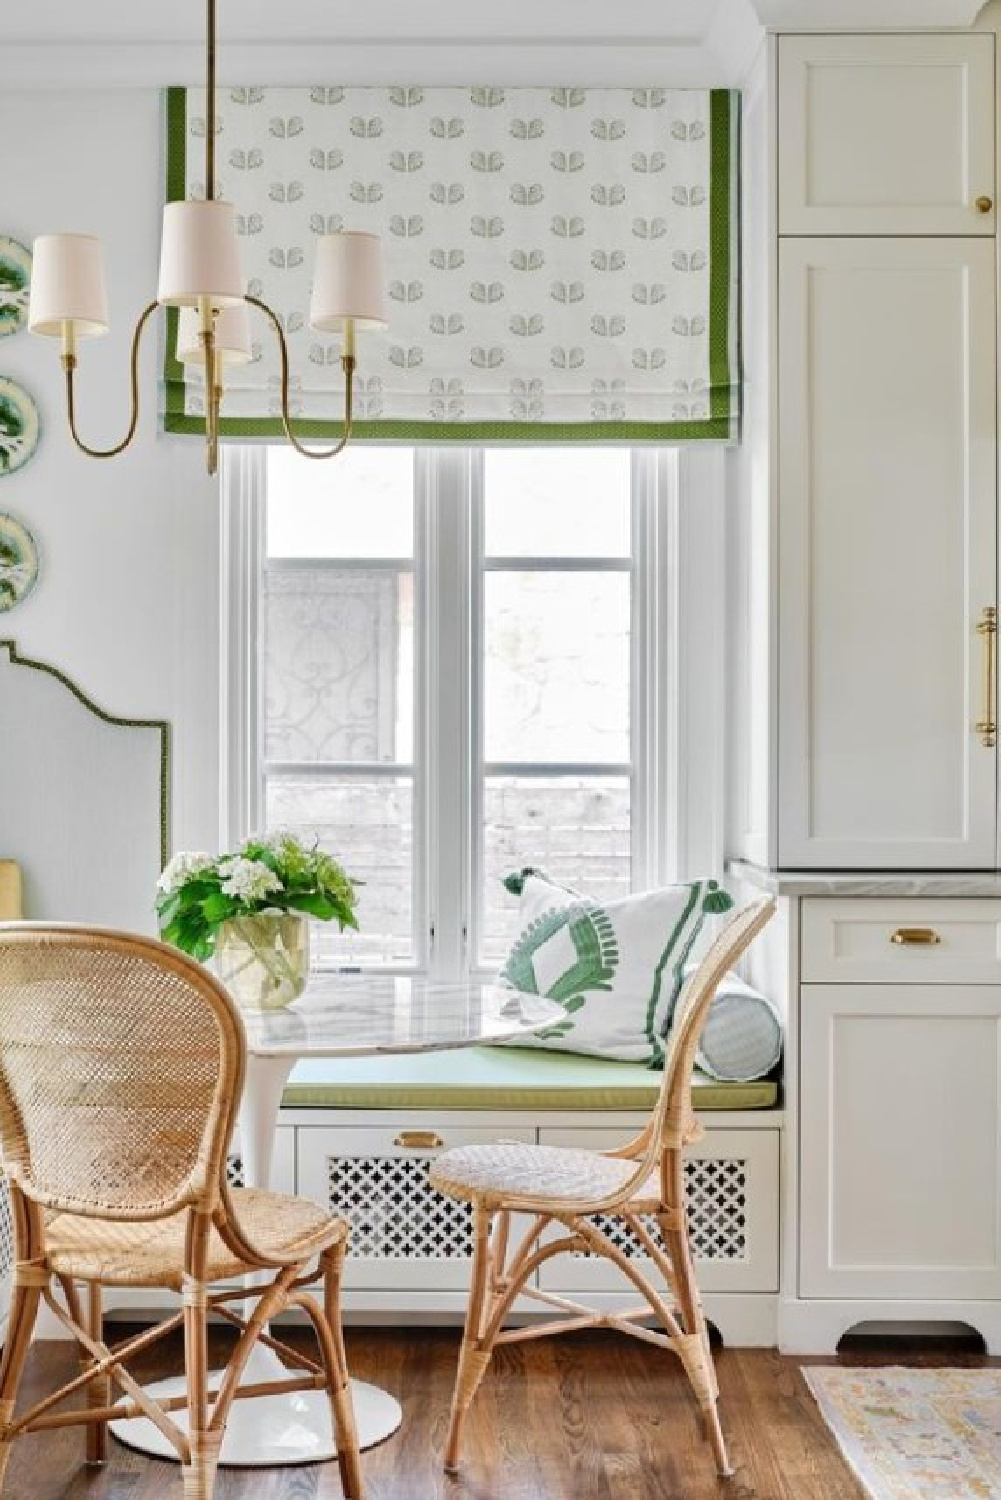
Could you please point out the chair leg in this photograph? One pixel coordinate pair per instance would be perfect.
(99, 1389)
(335, 1363)
(20, 1326)
(199, 1474)
(474, 1355)
(697, 1356)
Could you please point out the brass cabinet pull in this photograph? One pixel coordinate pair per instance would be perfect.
(915, 937)
(984, 204)
(987, 629)
(418, 1140)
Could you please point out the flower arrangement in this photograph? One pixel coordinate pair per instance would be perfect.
(198, 893)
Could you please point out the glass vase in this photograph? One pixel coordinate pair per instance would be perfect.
(263, 960)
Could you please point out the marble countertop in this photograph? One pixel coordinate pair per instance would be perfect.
(867, 882)
(351, 1015)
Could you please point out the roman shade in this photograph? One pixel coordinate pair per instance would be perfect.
(562, 261)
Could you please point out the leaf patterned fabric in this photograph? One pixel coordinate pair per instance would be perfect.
(616, 967)
(561, 261)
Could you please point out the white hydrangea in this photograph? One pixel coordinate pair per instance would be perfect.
(181, 869)
(247, 879)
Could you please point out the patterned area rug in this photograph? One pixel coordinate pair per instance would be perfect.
(915, 1434)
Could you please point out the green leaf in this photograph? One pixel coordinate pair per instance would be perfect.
(167, 907)
(312, 902)
(217, 907)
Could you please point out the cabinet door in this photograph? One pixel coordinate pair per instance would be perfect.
(732, 1183)
(887, 552)
(900, 1175)
(886, 134)
(404, 1234)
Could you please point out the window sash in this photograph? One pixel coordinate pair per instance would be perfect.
(678, 596)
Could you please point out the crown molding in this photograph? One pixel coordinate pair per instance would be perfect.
(734, 37)
(588, 61)
(866, 15)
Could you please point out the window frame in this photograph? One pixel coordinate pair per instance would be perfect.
(678, 689)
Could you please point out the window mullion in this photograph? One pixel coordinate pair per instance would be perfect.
(241, 629)
(657, 786)
(448, 705)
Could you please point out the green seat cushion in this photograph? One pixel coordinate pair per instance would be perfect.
(500, 1078)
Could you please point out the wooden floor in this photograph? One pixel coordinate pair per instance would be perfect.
(585, 1417)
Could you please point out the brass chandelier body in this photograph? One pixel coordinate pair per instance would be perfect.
(352, 293)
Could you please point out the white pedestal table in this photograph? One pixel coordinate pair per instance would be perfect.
(338, 1015)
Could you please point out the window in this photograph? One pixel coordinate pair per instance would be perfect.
(457, 662)
(553, 585)
(338, 711)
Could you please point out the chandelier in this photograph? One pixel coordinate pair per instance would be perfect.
(201, 274)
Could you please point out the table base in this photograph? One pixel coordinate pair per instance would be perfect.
(270, 1431)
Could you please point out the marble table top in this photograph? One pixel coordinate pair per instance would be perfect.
(349, 1015)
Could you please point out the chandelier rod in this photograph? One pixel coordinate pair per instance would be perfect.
(210, 55)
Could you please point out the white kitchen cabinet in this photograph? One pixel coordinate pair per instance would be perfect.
(886, 134)
(403, 1232)
(900, 1123)
(887, 541)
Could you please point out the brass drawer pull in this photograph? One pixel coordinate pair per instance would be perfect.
(987, 629)
(984, 204)
(418, 1140)
(915, 937)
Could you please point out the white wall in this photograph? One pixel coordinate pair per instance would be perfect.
(127, 600)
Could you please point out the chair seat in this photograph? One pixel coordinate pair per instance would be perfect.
(517, 1172)
(151, 1253)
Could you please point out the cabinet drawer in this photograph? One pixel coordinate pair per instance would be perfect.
(923, 941)
(886, 134)
(403, 1232)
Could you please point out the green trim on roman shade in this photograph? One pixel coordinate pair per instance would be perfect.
(562, 261)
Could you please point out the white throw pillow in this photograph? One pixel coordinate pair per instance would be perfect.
(615, 966)
(742, 1037)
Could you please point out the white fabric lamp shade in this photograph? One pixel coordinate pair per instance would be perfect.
(67, 286)
(349, 283)
(199, 255)
(232, 336)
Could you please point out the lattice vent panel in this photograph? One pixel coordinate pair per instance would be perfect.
(6, 1231)
(717, 1213)
(394, 1212)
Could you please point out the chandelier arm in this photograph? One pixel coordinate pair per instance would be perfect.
(348, 366)
(69, 365)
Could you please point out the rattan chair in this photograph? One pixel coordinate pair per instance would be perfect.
(642, 1182)
(121, 1068)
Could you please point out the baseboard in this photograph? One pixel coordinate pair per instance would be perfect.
(815, 1327)
(744, 1319)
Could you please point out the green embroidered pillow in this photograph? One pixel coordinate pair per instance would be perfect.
(615, 966)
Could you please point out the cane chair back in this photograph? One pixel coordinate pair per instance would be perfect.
(121, 1067)
(674, 1120)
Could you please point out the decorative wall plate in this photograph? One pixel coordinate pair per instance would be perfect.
(15, 279)
(18, 426)
(18, 562)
